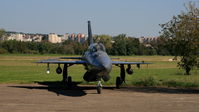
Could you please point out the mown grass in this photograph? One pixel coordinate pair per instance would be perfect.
(21, 69)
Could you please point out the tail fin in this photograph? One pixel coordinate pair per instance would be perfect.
(90, 38)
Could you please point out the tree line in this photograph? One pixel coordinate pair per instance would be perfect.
(117, 45)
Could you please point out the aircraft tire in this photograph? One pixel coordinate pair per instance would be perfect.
(99, 89)
(118, 82)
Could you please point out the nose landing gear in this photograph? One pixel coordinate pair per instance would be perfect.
(99, 87)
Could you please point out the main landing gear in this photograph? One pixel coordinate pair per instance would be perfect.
(67, 79)
(121, 79)
(118, 82)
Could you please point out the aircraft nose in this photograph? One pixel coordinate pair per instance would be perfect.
(102, 61)
(106, 64)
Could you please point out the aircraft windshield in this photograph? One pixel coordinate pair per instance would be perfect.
(97, 47)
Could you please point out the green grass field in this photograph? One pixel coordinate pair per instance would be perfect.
(21, 69)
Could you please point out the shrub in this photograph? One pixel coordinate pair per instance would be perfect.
(147, 81)
(180, 83)
(3, 51)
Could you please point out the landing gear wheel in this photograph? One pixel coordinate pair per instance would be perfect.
(118, 82)
(69, 81)
(99, 89)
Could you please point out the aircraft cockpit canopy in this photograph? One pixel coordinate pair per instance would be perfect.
(97, 47)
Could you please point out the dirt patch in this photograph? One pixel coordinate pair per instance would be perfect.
(48, 98)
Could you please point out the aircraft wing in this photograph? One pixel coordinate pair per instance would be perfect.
(126, 63)
(78, 58)
(71, 58)
(55, 61)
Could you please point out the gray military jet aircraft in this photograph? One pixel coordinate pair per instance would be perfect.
(97, 63)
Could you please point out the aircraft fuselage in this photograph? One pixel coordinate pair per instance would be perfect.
(99, 63)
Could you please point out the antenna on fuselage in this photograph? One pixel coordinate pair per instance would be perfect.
(90, 38)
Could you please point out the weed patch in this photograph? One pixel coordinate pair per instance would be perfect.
(148, 81)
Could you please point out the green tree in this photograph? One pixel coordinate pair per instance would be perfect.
(183, 31)
(119, 45)
(162, 46)
(132, 45)
(2, 32)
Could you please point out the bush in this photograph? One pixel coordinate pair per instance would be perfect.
(178, 83)
(151, 81)
(3, 51)
(147, 81)
(28, 51)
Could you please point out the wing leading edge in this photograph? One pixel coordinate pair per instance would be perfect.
(123, 62)
(71, 58)
(53, 61)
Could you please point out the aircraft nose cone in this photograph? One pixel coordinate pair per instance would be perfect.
(100, 61)
(106, 64)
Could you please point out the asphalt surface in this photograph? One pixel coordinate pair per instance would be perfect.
(47, 97)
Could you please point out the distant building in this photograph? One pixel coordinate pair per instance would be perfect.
(18, 36)
(77, 37)
(72, 36)
(15, 36)
(147, 39)
(54, 38)
(37, 38)
(65, 37)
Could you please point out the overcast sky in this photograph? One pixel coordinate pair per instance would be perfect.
(132, 17)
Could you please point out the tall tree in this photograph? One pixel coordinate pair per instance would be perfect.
(2, 32)
(132, 45)
(162, 46)
(119, 45)
(183, 31)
